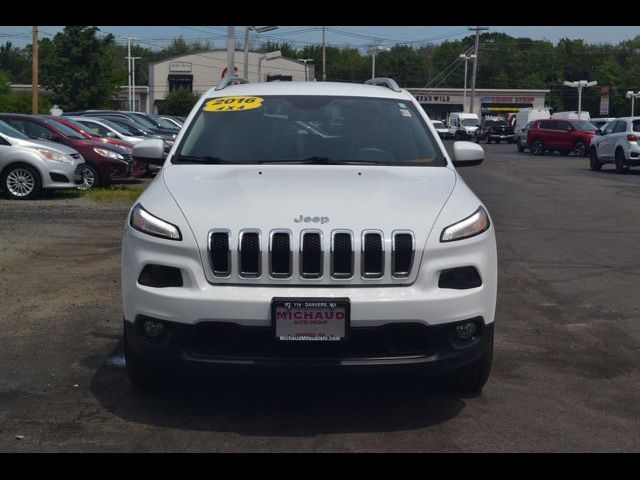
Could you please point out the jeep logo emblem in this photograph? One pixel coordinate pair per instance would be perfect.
(303, 219)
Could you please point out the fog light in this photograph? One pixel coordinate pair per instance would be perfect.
(153, 329)
(466, 330)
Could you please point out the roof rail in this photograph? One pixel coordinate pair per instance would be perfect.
(232, 80)
(390, 83)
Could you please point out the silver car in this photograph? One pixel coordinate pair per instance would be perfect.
(28, 166)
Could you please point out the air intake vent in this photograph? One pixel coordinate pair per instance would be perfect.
(311, 254)
(372, 254)
(220, 253)
(280, 254)
(403, 248)
(249, 253)
(342, 254)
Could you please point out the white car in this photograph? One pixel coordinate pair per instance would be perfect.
(618, 144)
(28, 166)
(106, 128)
(261, 244)
(441, 128)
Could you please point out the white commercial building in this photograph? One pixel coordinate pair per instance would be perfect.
(440, 102)
(198, 72)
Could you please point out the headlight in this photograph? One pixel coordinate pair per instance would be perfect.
(145, 222)
(469, 227)
(108, 153)
(54, 156)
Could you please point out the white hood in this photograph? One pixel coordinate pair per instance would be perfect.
(267, 197)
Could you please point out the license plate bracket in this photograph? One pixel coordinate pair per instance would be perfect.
(309, 319)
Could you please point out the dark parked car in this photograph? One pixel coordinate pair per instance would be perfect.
(136, 117)
(105, 164)
(564, 136)
(492, 129)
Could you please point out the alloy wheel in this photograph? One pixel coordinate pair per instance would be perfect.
(20, 182)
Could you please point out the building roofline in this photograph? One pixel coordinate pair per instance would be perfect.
(217, 50)
(480, 89)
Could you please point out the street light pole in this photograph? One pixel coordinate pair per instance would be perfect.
(580, 84)
(375, 50)
(133, 81)
(632, 96)
(246, 44)
(466, 58)
(34, 74)
(231, 48)
(324, 56)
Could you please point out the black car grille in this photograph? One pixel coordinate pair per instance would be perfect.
(310, 255)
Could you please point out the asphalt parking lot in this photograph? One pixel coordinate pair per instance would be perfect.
(566, 366)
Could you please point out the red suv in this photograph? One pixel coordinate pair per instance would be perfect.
(105, 164)
(562, 135)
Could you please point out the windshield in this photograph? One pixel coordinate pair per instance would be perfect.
(438, 124)
(309, 128)
(83, 128)
(164, 123)
(584, 126)
(9, 131)
(144, 120)
(66, 131)
(469, 122)
(495, 123)
(127, 128)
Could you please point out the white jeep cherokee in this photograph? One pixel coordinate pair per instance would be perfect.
(309, 225)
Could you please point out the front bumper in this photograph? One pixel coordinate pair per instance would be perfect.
(508, 138)
(192, 347)
(63, 176)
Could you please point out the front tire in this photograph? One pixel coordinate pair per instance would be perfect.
(22, 182)
(472, 378)
(594, 161)
(538, 147)
(91, 178)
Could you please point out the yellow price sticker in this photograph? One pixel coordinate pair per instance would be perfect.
(232, 104)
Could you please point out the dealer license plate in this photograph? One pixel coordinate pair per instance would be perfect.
(310, 319)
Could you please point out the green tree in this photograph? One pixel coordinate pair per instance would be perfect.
(179, 102)
(11, 102)
(80, 68)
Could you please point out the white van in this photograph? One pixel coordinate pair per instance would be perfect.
(463, 125)
(571, 116)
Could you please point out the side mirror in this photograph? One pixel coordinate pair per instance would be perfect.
(467, 154)
(149, 151)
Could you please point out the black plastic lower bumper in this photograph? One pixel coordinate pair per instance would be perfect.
(432, 349)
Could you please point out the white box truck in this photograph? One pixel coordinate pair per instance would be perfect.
(523, 117)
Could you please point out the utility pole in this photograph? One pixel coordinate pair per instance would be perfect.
(245, 69)
(231, 49)
(324, 56)
(34, 79)
(133, 81)
(475, 64)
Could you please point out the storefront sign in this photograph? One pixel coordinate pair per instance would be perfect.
(438, 98)
(507, 99)
(179, 67)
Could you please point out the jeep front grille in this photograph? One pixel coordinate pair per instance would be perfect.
(372, 254)
(249, 253)
(280, 254)
(341, 254)
(358, 258)
(311, 254)
(403, 249)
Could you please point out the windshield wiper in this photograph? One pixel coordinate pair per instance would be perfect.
(323, 161)
(206, 159)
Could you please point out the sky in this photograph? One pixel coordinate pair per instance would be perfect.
(157, 37)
